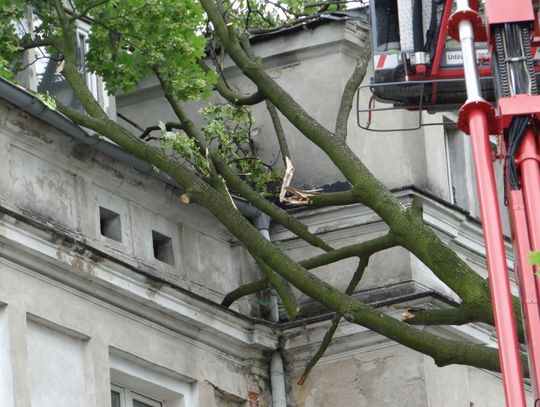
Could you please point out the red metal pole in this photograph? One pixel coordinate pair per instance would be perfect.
(530, 181)
(503, 309)
(527, 283)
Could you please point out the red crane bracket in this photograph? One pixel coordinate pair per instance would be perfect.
(474, 105)
(518, 105)
(500, 12)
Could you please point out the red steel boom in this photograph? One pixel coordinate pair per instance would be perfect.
(500, 47)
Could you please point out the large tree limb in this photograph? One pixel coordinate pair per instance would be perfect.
(358, 274)
(412, 234)
(425, 245)
(280, 134)
(442, 350)
(243, 290)
(350, 90)
(231, 95)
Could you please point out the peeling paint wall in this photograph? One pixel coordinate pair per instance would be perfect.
(58, 181)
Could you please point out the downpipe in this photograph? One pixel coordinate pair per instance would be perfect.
(277, 380)
(277, 373)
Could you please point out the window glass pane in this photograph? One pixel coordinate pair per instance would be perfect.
(115, 399)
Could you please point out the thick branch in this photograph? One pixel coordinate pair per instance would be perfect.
(350, 90)
(280, 134)
(231, 95)
(242, 291)
(464, 314)
(333, 199)
(450, 316)
(442, 350)
(282, 287)
(412, 233)
(363, 249)
(362, 265)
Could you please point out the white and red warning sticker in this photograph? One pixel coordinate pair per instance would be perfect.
(386, 61)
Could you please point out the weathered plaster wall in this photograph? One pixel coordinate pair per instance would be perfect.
(57, 180)
(313, 65)
(364, 369)
(62, 342)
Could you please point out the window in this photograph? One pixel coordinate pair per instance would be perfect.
(124, 397)
(139, 383)
(83, 32)
(462, 177)
(49, 69)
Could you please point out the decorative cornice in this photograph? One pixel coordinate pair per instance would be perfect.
(77, 268)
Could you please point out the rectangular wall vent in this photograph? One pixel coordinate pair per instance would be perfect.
(163, 249)
(110, 224)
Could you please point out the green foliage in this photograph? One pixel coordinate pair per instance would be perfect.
(135, 36)
(267, 14)
(229, 130)
(47, 100)
(184, 146)
(534, 260)
(10, 13)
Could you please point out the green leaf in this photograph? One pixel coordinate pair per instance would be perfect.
(47, 100)
(534, 258)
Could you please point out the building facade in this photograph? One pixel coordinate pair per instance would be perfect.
(110, 288)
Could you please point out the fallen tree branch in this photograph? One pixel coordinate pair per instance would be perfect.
(276, 213)
(282, 287)
(243, 290)
(362, 265)
(352, 85)
(362, 249)
(280, 134)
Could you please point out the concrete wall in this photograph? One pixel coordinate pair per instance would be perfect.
(312, 65)
(65, 349)
(80, 311)
(364, 369)
(59, 181)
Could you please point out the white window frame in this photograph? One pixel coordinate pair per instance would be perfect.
(145, 379)
(127, 396)
(83, 32)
